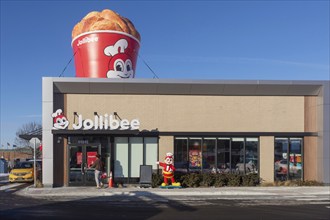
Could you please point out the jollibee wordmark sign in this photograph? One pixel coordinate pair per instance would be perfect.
(102, 122)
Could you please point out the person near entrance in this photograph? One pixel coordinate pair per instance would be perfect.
(98, 170)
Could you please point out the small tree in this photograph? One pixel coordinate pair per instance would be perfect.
(22, 144)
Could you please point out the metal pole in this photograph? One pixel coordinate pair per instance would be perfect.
(34, 167)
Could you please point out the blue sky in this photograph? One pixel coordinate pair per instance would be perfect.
(258, 40)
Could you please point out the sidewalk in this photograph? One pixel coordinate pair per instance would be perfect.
(222, 192)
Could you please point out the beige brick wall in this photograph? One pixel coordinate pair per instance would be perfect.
(196, 113)
(208, 114)
(165, 146)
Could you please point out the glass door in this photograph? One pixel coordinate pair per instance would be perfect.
(80, 159)
(288, 158)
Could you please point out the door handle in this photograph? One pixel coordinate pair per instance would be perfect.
(83, 167)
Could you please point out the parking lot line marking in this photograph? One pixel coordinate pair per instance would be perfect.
(5, 187)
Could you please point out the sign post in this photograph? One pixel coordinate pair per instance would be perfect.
(33, 142)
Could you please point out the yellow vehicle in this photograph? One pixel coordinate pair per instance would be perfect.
(22, 172)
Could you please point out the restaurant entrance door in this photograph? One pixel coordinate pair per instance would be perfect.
(80, 158)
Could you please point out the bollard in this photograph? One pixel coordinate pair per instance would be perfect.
(110, 183)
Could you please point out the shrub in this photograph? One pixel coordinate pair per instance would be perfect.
(191, 180)
(221, 180)
(307, 183)
(234, 179)
(178, 176)
(250, 180)
(293, 183)
(157, 180)
(226, 179)
(208, 179)
(289, 183)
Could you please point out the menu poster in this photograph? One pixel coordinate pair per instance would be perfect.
(195, 158)
(79, 158)
(91, 157)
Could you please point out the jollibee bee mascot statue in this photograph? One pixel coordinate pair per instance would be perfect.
(168, 170)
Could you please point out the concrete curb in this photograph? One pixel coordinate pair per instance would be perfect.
(185, 192)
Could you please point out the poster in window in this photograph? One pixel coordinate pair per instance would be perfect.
(195, 158)
(79, 158)
(91, 157)
(295, 163)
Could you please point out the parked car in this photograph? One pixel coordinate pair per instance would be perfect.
(23, 172)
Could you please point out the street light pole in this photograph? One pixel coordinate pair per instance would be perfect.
(34, 169)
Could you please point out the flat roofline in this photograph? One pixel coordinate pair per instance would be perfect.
(186, 81)
(187, 86)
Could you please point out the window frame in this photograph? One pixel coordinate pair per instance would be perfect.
(217, 138)
(288, 151)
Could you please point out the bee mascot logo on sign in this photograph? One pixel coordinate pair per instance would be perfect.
(60, 121)
(168, 170)
(120, 64)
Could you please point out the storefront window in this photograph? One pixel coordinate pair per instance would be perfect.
(121, 157)
(251, 155)
(136, 144)
(105, 153)
(208, 160)
(217, 155)
(151, 151)
(295, 165)
(237, 155)
(130, 153)
(181, 154)
(223, 155)
(281, 158)
(288, 157)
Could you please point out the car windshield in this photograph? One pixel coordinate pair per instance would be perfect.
(23, 165)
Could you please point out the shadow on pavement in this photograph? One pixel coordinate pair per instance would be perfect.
(133, 205)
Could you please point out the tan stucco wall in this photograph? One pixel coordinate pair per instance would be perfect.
(311, 148)
(310, 158)
(311, 114)
(196, 113)
(267, 158)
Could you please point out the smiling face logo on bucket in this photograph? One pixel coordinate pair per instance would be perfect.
(120, 64)
(60, 121)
